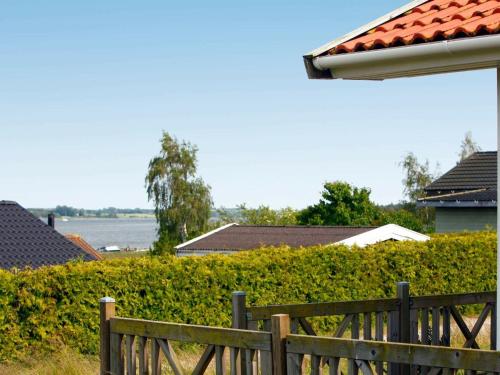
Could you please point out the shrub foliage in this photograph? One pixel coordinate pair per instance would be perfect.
(41, 308)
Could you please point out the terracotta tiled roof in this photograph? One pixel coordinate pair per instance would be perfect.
(434, 20)
(84, 245)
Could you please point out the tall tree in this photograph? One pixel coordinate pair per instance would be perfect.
(468, 146)
(182, 200)
(417, 176)
(341, 204)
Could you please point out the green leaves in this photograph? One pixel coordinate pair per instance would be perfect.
(40, 309)
(182, 200)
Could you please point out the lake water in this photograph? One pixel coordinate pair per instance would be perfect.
(133, 233)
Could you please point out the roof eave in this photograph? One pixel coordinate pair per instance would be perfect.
(473, 53)
(457, 204)
(363, 29)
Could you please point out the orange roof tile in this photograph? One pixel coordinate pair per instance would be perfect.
(84, 245)
(432, 21)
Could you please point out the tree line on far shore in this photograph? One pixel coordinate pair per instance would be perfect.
(183, 201)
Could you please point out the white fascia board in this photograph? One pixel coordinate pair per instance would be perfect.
(363, 29)
(384, 233)
(447, 56)
(204, 235)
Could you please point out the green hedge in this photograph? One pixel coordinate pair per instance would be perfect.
(41, 309)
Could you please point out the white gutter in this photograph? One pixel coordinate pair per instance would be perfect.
(422, 59)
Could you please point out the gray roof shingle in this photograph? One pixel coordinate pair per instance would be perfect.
(476, 172)
(26, 241)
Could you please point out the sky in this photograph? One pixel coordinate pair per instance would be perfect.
(87, 87)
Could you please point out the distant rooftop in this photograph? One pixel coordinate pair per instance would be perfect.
(234, 237)
(472, 180)
(26, 241)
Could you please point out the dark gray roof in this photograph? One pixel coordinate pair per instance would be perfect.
(472, 183)
(247, 237)
(26, 241)
(476, 172)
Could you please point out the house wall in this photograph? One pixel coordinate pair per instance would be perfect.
(461, 219)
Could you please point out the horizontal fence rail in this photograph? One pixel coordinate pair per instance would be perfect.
(428, 320)
(366, 352)
(306, 310)
(133, 346)
(254, 340)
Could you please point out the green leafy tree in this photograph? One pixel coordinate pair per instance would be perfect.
(262, 215)
(417, 176)
(468, 147)
(182, 200)
(341, 204)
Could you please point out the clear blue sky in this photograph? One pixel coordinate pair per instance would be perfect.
(86, 88)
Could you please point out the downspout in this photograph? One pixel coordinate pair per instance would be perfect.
(498, 215)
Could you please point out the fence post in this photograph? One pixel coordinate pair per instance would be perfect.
(403, 293)
(280, 329)
(106, 312)
(239, 321)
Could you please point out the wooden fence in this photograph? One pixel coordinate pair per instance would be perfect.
(137, 346)
(410, 319)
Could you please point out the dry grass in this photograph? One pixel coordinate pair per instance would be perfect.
(64, 362)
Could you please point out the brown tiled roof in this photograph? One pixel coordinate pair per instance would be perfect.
(84, 245)
(246, 237)
(431, 21)
(26, 241)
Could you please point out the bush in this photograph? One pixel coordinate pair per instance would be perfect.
(44, 308)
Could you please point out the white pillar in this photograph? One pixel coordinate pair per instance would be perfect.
(498, 208)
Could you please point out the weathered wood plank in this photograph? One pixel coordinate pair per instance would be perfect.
(352, 366)
(453, 299)
(204, 360)
(169, 353)
(493, 323)
(116, 354)
(393, 336)
(463, 328)
(131, 356)
(143, 356)
(367, 326)
(155, 358)
(280, 328)
(306, 326)
(323, 309)
(316, 368)
(294, 363)
(266, 366)
(379, 336)
(446, 337)
(106, 312)
(343, 326)
(239, 321)
(249, 362)
(256, 340)
(220, 362)
(436, 325)
(479, 324)
(481, 360)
